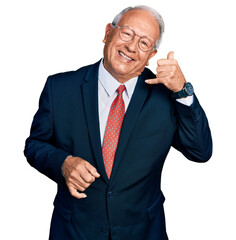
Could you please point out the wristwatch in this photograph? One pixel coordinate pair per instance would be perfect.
(185, 92)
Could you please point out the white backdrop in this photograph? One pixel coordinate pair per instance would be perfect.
(39, 38)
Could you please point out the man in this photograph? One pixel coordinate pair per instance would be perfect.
(102, 133)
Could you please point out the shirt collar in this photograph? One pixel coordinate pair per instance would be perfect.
(110, 84)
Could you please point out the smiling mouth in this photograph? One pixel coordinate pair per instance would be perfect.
(125, 56)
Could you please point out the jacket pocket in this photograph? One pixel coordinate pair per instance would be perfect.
(62, 211)
(156, 206)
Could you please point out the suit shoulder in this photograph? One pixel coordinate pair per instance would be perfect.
(148, 74)
(71, 76)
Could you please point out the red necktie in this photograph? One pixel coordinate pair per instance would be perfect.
(112, 132)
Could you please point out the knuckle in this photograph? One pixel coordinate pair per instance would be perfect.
(172, 74)
(73, 194)
(87, 164)
(72, 191)
(69, 179)
(90, 179)
(174, 68)
(79, 167)
(153, 81)
(81, 189)
(72, 174)
(167, 82)
(87, 184)
(92, 172)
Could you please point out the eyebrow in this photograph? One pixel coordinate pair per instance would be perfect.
(138, 33)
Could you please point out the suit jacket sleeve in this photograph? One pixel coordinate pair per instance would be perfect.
(40, 149)
(193, 136)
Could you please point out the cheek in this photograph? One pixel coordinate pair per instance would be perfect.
(110, 50)
(142, 61)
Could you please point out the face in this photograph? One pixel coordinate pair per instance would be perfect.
(124, 60)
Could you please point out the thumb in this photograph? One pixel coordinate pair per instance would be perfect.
(170, 55)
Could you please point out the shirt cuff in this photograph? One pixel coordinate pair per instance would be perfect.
(186, 101)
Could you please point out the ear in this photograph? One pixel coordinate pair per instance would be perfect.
(153, 53)
(107, 32)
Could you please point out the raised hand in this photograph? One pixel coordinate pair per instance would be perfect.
(169, 74)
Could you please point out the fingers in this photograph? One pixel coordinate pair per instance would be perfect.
(161, 62)
(152, 81)
(170, 55)
(88, 176)
(157, 80)
(169, 61)
(78, 182)
(163, 72)
(169, 74)
(92, 170)
(79, 175)
(75, 193)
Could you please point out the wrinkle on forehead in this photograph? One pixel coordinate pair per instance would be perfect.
(142, 22)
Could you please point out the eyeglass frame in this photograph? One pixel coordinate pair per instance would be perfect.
(140, 37)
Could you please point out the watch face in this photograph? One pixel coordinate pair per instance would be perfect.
(189, 89)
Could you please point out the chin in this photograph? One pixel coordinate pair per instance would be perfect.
(118, 72)
(122, 69)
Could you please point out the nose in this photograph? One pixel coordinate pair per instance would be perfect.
(133, 44)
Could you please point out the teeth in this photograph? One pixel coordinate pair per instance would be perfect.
(123, 55)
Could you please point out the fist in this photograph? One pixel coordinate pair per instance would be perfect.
(79, 175)
(169, 74)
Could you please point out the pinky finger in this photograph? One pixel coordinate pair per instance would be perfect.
(152, 81)
(76, 194)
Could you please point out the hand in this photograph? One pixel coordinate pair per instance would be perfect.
(79, 174)
(169, 74)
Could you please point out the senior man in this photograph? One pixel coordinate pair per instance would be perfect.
(102, 133)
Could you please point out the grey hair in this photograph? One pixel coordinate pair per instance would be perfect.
(155, 14)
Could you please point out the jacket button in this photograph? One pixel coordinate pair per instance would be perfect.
(104, 228)
(109, 194)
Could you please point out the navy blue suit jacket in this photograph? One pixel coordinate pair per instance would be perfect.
(130, 204)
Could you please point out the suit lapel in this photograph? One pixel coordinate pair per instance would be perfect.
(90, 97)
(139, 96)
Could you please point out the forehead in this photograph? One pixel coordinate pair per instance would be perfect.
(142, 21)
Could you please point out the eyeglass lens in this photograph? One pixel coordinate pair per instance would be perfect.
(127, 35)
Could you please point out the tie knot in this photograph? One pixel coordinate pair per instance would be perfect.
(120, 89)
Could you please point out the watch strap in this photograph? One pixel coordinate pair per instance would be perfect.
(180, 94)
(185, 92)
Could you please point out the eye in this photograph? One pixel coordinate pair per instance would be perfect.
(144, 43)
(126, 33)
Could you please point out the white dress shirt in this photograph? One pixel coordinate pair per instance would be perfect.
(107, 86)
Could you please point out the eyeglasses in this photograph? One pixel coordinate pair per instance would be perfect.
(127, 34)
